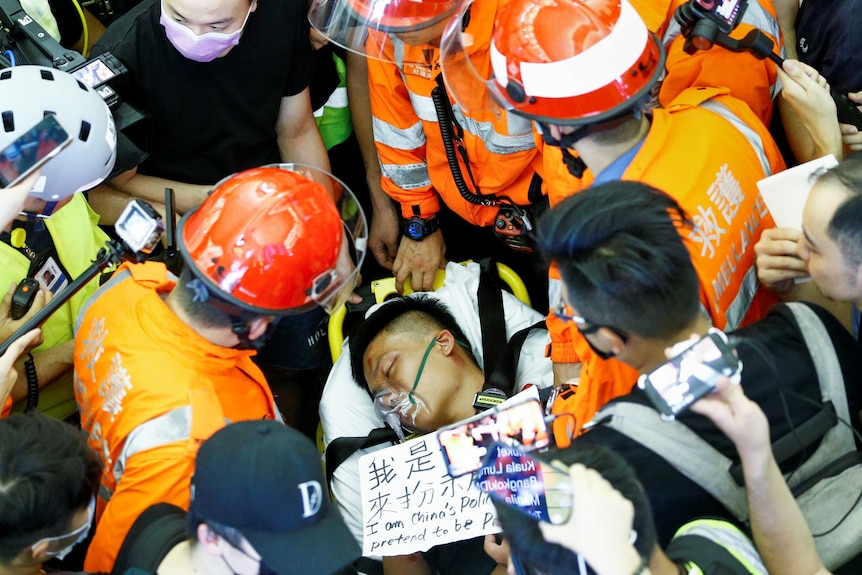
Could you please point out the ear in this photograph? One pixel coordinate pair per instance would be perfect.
(610, 341)
(257, 327)
(253, 6)
(446, 341)
(209, 539)
(34, 555)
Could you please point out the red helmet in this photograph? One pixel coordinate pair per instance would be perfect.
(271, 240)
(363, 26)
(560, 61)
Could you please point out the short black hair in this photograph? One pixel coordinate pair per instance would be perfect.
(845, 228)
(418, 313)
(622, 259)
(525, 537)
(211, 312)
(48, 473)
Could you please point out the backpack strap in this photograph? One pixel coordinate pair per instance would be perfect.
(839, 439)
(158, 530)
(681, 447)
(492, 318)
(502, 375)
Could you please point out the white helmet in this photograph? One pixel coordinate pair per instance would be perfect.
(27, 93)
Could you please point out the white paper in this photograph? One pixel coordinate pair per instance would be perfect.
(785, 193)
(410, 503)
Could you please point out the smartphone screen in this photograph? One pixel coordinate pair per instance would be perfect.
(32, 149)
(725, 13)
(465, 444)
(690, 375)
(94, 74)
(538, 489)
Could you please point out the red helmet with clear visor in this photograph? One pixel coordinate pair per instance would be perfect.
(364, 26)
(272, 241)
(557, 61)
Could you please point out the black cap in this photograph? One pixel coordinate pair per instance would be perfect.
(265, 480)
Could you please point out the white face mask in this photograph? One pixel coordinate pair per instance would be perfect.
(200, 48)
(80, 535)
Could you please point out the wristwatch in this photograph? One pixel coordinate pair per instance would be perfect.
(417, 228)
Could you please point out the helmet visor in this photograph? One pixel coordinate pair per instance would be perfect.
(467, 69)
(365, 26)
(332, 288)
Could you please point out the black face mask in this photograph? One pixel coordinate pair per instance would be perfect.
(598, 352)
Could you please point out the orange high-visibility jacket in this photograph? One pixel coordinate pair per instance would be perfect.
(151, 391)
(707, 150)
(753, 81)
(416, 173)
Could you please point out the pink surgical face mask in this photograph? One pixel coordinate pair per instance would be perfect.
(204, 48)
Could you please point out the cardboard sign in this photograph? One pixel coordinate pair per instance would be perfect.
(410, 503)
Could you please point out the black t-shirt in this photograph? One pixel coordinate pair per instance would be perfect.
(677, 500)
(829, 38)
(211, 119)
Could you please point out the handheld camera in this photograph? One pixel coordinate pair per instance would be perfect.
(691, 374)
(465, 444)
(725, 13)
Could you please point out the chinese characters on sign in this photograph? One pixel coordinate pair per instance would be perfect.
(410, 503)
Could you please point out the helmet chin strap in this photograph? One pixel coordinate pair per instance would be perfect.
(241, 328)
(575, 164)
(240, 319)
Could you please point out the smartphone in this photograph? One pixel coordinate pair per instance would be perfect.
(848, 112)
(512, 477)
(725, 13)
(32, 149)
(691, 374)
(465, 444)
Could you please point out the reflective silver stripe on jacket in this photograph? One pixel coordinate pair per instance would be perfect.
(170, 427)
(115, 279)
(408, 138)
(495, 142)
(407, 177)
(738, 308)
(753, 137)
(519, 136)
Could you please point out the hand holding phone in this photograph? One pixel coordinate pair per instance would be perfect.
(31, 150)
(690, 374)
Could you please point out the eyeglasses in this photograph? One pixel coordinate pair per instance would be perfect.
(561, 310)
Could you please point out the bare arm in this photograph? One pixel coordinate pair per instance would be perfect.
(51, 364)
(383, 236)
(298, 137)
(780, 532)
(110, 198)
(786, 11)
